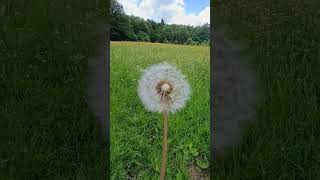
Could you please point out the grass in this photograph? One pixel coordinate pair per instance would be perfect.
(284, 37)
(46, 130)
(136, 135)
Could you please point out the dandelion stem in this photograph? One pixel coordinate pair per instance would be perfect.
(164, 145)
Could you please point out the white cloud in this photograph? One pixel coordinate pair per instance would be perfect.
(172, 11)
(201, 18)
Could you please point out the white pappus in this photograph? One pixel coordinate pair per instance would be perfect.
(163, 87)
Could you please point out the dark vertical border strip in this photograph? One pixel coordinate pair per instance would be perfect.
(211, 84)
(215, 20)
(108, 87)
(108, 74)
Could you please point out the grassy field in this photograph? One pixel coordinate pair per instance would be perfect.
(284, 141)
(136, 135)
(46, 130)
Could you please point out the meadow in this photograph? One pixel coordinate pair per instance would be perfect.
(136, 134)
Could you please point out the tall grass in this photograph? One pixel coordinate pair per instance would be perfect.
(46, 129)
(284, 37)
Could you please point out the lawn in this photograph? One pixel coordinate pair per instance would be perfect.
(136, 134)
(46, 129)
(284, 38)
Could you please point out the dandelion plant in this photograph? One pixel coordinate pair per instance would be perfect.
(163, 89)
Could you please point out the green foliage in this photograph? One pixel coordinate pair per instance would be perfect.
(203, 163)
(165, 40)
(142, 36)
(190, 41)
(123, 28)
(162, 22)
(116, 8)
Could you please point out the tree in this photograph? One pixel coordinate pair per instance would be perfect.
(167, 32)
(116, 8)
(119, 22)
(143, 26)
(142, 36)
(162, 22)
(154, 37)
(190, 41)
(203, 32)
(165, 40)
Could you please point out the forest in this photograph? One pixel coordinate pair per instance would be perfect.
(132, 28)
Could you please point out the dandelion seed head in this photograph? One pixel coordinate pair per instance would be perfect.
(163, 87)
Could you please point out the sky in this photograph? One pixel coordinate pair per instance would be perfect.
(187, 12)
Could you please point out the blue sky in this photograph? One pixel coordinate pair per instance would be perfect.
(195, 6)
(188, 12)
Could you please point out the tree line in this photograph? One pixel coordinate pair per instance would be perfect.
(132, 28)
